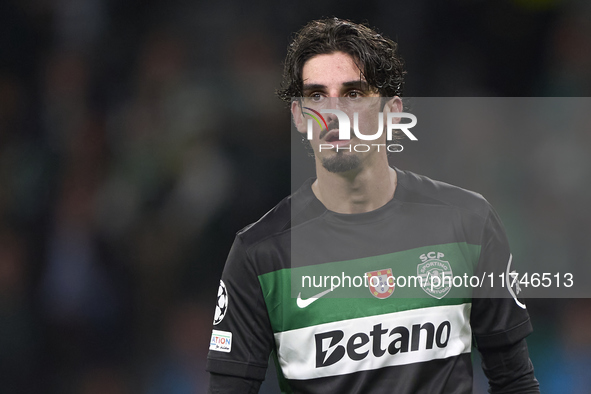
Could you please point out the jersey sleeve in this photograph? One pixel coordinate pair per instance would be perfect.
(498, 317)
(242, 338)
(509, 369)
(225, 384)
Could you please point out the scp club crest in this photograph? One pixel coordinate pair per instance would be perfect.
(381, 283)
(435, 277)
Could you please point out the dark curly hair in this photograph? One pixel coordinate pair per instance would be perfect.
(376, 55)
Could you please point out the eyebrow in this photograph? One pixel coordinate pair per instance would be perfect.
(360, 84)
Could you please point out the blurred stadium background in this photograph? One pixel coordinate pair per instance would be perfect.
(136, 138)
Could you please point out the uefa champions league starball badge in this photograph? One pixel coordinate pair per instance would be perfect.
(222, 304)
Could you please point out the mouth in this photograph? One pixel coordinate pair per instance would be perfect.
(332, 137)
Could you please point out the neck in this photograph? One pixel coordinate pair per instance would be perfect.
(359, 191)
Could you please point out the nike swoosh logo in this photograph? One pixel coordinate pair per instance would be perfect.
(304, 303)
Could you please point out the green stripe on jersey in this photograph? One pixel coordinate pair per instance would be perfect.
(353, 300)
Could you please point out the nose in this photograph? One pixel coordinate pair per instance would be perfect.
(332, 93)
(330, 117)
(333, 103)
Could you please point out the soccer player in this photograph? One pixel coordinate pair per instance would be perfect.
(367, 220)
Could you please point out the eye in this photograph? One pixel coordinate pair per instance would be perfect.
(354, 94)
(316, 97)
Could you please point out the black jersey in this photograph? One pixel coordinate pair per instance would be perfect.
(371, 333)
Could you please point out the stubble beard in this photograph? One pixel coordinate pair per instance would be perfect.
(341, 162)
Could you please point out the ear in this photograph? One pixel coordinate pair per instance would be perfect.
(298, 116)
(393, 105)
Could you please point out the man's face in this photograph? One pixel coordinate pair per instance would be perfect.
(333, 81)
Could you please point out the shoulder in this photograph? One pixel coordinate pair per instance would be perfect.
(275, 221)
(421, 189)
(293, 209)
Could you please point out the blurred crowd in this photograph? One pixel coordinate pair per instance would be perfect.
(136, 138)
